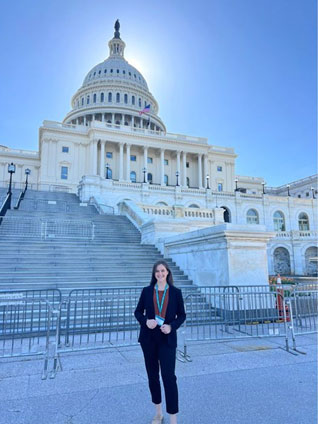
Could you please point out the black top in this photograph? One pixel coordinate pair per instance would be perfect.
(175, 315)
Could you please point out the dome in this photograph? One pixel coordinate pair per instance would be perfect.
(116, 93)
(117, 68)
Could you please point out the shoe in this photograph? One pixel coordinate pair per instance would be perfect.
(158, 419)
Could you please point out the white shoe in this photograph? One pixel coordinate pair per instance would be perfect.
(158, 419)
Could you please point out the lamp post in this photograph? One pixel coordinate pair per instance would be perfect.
(313, 193)
(177, 176)
(207, 181)
(107, 168)
(144, 170)
(11, 170)
(263, 184)
(288, 192)
(236, 181)
(27, 173)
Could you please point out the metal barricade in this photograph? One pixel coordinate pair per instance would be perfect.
(217, 316)
(47, 228)
(303, 306)
(99, 318)
(28, 326)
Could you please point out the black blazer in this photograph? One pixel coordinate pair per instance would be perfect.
(175, 314)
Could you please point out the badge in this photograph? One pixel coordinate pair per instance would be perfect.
(159, 320)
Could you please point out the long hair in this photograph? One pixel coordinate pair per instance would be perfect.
(169, 276)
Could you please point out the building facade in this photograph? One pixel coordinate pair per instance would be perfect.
(113, 147)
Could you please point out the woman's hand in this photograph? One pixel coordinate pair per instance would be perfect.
(166, 328)
(151, 323)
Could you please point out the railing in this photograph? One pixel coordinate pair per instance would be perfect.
(104, 318)
(47, 205)
(306, 234)
(37, 186)
(46, 229)
(5, 206)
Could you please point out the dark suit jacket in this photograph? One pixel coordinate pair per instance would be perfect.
(175, 314)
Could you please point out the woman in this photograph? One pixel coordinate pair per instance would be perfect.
(160, 312)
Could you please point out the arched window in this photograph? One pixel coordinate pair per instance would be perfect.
(193, 205)
(166, 179)
(133, 176)
(110, 97)
(149, 177)
(279, 221)
(94, 98)
(126, 98)
(101, 97)
(188, 182)
(252, 217)
(139, 102)
(87, 100)
(82, 101)
(303, 222)
(118, 97)
(133, 100)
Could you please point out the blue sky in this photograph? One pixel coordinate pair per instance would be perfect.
(240, 72)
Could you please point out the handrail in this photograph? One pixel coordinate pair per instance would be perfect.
(5, 206)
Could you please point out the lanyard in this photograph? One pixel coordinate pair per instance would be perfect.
(160, 306)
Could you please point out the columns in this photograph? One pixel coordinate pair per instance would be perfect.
(162, 162)
(200, 170)
(121, 161)
(128, 162)
(146, 161)
(93, 154)
(178, 166)
(206, 170)
(103, 117)
(113, 119)
(132, 121)
(184, 171)
(102, 159)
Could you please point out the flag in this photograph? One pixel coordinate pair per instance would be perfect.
(146, 109)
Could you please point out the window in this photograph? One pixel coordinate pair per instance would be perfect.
(133, 100)
(133, 176)
(252, 217)
(117, 71)
(303, 222)
(133, 158)
(64, 172)
(124, 72)
(219, 168)
(105, 71)
(166, 179)
(87, 100)
(110, 97)
(188, 165)
(82, 101)
(279, 221)
(65, 149)
(149, 160)
(299, 196)
(94, 98)
(166, 162)
(307, 194)
(220, 187)
(118, 97)
(101, 97)
(126, 98)
(188, 182)
(149, 178)
(111, 71)
(139, 102)
(99, 72)
(109, 155)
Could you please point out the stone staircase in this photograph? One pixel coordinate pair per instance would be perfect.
(113, 258)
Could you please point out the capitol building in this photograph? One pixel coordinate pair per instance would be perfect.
(114, 151)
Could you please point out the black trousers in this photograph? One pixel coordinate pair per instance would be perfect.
(157, 354)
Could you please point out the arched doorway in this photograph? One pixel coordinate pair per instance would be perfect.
(227, 214)
(311, 259)
(281, 261)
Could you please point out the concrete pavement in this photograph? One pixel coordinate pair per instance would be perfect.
(242, 381)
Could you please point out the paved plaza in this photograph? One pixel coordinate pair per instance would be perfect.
(246, 382)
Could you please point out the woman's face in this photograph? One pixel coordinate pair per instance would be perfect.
(161, 273)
